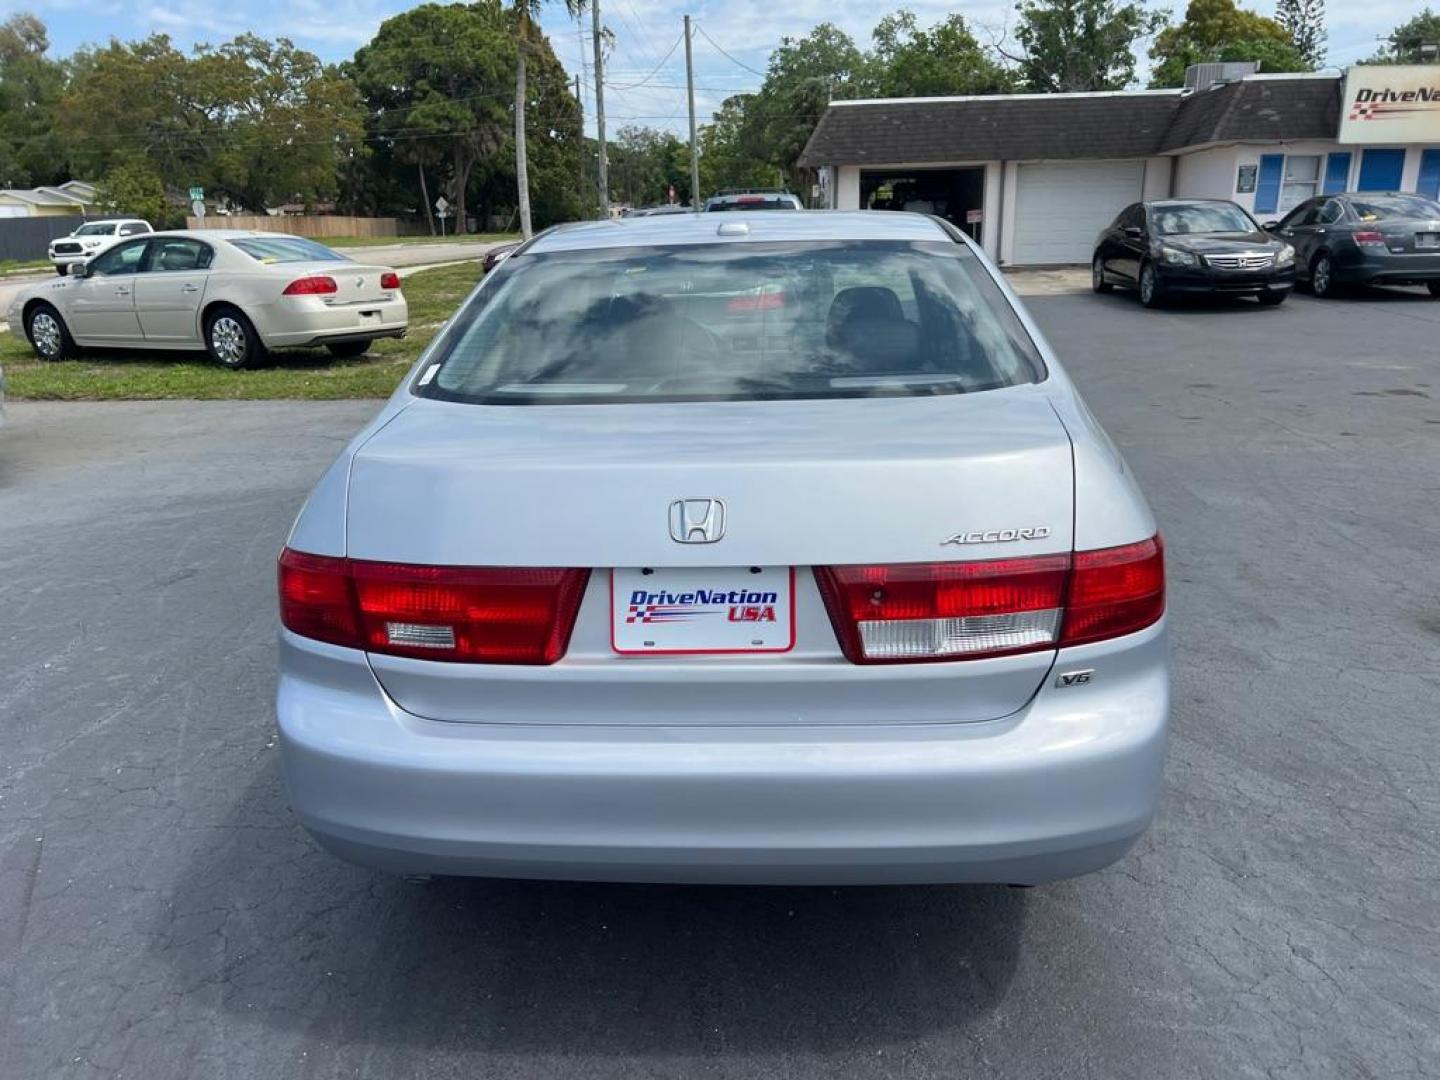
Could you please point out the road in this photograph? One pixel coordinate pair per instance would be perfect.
(161, 915)
(396, 255)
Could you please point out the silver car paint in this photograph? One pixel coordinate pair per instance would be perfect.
(879, 774)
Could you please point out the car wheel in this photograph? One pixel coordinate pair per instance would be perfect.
(48, 334)
(1434, 287)
(1322, 276)
(1272, 299)
(1097, 276)
(231, 340)
(1151, 294)
(344, 350)
(61, 271)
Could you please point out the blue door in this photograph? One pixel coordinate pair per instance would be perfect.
(1337, 172)
(1267, 183)
(1428, 183)
(1380, 170)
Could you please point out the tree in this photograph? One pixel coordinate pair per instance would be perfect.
(435, 79)
(1413, 42)
(1081, 45)
(256, 122)
(1217, 30)
(645, 163)
(1304, 21)
(526, 12)
(30, 87)
(728, 156)
(803, 76)
(907, 61)
(133, 190)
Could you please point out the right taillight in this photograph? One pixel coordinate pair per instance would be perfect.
(1369, 238)
(471, 614)
(913, 612)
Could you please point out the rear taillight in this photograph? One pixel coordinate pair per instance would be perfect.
(390, 280)
(953, 611)
(315, 285)
(481, 615)
(765, 301)
(1369, 238)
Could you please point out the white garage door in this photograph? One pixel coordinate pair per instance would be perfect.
(1061, 207)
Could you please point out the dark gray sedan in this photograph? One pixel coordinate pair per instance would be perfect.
(1364, 239)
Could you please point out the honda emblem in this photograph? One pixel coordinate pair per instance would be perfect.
(697, 521)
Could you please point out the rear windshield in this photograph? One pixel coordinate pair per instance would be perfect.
(1382, 207)
(734, 322)
(1201, 218)
(286, 249)
(754, 202)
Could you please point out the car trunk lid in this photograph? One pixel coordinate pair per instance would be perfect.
(804, 484)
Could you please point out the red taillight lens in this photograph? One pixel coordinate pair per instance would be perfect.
(315, 285)
(965, 611)
(390, 280)
(945, 611)
(1369, 238)
(482, 615)
(1115, 591)
(765, 301)
(317, 600)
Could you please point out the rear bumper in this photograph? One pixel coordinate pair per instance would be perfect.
(301, 321)
(1060, 788)
(1364, 268)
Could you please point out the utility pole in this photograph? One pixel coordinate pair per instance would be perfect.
(580, 127)
(694, 147)
(600, 112)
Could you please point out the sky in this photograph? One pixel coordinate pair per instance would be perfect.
(645, 70)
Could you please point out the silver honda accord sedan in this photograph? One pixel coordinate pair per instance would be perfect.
(773, 549)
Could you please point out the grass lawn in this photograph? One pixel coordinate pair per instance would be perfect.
(15, 266)
(112, 375)
(384, 241)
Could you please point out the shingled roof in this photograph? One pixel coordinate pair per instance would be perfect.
(1067, 126)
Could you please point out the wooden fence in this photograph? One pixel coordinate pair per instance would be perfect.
(318, 227)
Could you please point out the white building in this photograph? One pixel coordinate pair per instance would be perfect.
(1034, 177)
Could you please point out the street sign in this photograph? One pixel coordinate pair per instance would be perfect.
(974, 217)
(442, 206)
(196, 194)
(197, 208)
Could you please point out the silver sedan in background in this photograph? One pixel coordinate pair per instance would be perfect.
(749, 547)
(235, 294)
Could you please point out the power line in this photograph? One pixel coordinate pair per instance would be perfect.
(727, 56)
(647, 78)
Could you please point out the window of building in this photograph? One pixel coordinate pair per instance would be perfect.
(1301, 180)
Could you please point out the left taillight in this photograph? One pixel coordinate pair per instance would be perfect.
(314, 285)
(482, 615)
(913, 612)
(390, 280)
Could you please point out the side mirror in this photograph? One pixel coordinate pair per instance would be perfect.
(78, 269)
(1134, 232)
(1270, 226)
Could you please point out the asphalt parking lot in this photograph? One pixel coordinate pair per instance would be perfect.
(161, 916)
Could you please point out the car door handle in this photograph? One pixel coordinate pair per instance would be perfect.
(122, 291)
(189, 288)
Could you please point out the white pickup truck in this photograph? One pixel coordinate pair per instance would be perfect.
(90, 239)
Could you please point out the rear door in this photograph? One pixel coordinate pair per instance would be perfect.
(101, 307)
(169, 294)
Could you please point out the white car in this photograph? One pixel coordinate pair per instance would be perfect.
(235, 294)
(92, 238)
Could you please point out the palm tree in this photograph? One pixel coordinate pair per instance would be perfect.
(526, 12)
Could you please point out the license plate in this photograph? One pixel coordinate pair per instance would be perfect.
(698, 610)
(1427, 240)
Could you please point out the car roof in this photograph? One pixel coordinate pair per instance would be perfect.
(1189, 202)
(761, 226)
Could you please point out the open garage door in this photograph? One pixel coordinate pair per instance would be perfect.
(1060, 207)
